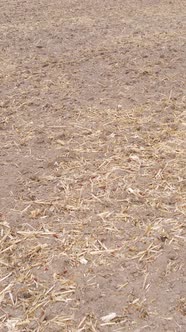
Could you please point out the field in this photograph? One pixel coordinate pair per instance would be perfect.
(92, 166)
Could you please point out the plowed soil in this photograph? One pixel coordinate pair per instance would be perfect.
(92, 165)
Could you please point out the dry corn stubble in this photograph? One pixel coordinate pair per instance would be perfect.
(92, 168)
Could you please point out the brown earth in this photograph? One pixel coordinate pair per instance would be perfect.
(92, 157)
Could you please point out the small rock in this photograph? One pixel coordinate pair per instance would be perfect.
(39, 46)
(83, 260)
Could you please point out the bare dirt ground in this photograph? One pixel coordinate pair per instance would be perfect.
(92, 158)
